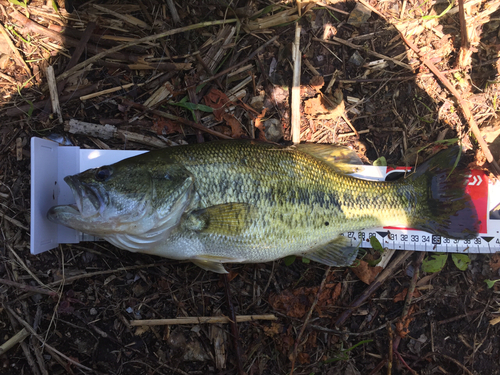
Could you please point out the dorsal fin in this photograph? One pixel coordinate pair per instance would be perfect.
(340, 158)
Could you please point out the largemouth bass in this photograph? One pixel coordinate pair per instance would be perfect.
(247, 202)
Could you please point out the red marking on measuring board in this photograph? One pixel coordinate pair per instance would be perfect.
(477, 188)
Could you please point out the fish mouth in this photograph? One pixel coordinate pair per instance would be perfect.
(63, 214)
(88, 200)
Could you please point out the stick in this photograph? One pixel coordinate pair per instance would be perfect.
(17, 338)
(173, 11)
(201, 320)
(413, 283)
(109, 131)
(297, 341)
(54, 95)
(234, 326)
(295, 104)
(47, 346)
(19, 58)
(32, 26)
(176, 118)
(23, 109)
(142, 40)
(381, 278)
(360, 48)
(28, 288)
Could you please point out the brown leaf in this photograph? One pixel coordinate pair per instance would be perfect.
(217, 100)
(317, 82)
(294, 304)
(495, 262)
(236, 129)
(402, 296)
(162, 126)
(366, 273)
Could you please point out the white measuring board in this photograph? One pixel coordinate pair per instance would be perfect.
(50, 163)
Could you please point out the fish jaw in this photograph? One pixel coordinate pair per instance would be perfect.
(89, 201)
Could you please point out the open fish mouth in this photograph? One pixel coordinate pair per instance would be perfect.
(88, 201)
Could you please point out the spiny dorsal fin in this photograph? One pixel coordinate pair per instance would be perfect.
(337, 253)
(342, 159)
(228, 219)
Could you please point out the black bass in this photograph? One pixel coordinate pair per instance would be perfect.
(247, 202)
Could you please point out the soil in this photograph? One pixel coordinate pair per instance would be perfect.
(362, 86)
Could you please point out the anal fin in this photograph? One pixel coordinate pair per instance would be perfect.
(336, 253)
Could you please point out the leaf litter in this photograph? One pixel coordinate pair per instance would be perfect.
(231, 78)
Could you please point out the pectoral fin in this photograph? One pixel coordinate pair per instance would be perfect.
(210, 266)
(229, 219)
(337, 253)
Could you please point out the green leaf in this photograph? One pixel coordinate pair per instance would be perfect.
(434, 263)
(306, 261)
(289, 260)
(461, 261)
(490, 283)
(380, 162)
(442, 13)
(54, 6)
(15, 2)
(376, 244)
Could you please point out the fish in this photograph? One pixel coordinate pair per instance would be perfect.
(244, 201)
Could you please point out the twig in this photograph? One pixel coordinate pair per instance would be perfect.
(320, 3)
(19, 58)
(23, 109)
(295, 102)
(47, 346)
(202, 320)
(14, 221)
(413, 372)
(33, 26)
(173, 11)
(361, 48)
(381, 278)
(109, 91)
(347, 333)
(29, 357)
(413, 283)
(138, 41)
(176, 118)
(306, 320)
(244, 61)
(473, 312)
(28, 288)
(390, 355)
(54, 94)
(17, 338)
(26, 268)
(234, 326)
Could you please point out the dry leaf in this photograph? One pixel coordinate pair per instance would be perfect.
(402, 296)
(366, 273)
(217, 100)
(495, 262)
(236, 129)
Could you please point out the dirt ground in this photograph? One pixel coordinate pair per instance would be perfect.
(390, 79)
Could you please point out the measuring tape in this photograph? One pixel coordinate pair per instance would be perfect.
(485, 196)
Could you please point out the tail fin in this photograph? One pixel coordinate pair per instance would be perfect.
(449, 211)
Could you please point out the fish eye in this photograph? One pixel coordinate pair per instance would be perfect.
(103, 174)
